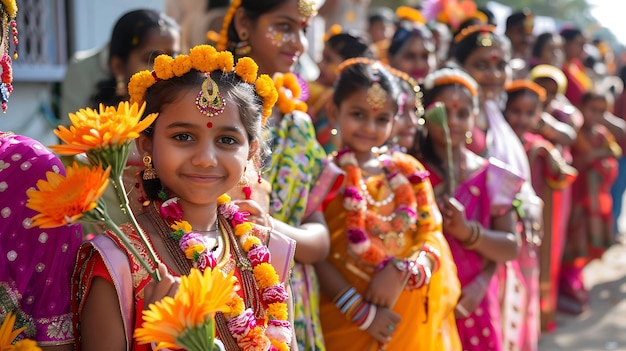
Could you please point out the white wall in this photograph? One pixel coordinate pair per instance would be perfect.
(94, 19)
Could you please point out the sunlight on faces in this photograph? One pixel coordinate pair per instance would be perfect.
(488, 66)
(360, 127)
(523, 112)
(415, 58)
(460, 113)
(196, 162)
(405, 125)
(277, 37)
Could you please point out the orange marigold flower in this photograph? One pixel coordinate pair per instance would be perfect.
(92, 129)
(243, 228)
(201, 57)
(236, 307)
(139, 83)
(277, 310)
(281, 346)
(251, 241)
(225, 61)
(181, 65)
(265, 275)
(7, 334)
(223, 199)
(247, 69)
(62, 200)
(163, 67)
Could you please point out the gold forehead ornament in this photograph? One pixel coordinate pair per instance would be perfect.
(376, 96)
(209, 100)
(307, 8)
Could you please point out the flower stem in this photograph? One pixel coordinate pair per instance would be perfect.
(124, 204)
(129, 246)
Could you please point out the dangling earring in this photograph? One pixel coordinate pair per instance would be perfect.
(468, 137)
(149, 173)
(120, 86)
(245, 185)
(243, 48)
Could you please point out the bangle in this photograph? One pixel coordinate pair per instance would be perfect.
(341, 299)
(433, 255)
(476, 234)
(370, 317)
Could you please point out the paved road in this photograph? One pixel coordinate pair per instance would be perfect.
(603, 326)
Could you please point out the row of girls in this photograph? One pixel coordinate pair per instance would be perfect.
(390, 252)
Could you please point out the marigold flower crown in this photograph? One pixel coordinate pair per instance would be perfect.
(206, 59)
(521, 84)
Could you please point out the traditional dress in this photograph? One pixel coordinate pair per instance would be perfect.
(319, 95)
(487, 192)
(427, 312)
(550, 176)
(591, 220)
(35, 263)
(106, 257)
(295, 165)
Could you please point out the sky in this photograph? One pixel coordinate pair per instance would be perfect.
(605, 12)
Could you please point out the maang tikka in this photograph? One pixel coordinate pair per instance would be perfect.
(209, 100)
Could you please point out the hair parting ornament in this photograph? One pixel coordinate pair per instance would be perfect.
(485, 38)
(205, 59)
(521, 84)
(376, 95)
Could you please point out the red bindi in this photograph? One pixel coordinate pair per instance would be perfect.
(209, 125)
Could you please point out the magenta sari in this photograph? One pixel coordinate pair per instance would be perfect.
(487, 192)
(35, 264)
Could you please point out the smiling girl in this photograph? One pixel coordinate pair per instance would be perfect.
(389, 279)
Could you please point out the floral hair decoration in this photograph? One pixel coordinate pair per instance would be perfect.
(447, 76)
(289, 93)
(410, 14)
(416, 88)
(376, 95)
(335, 29)
(486, 30)
(520, 84)
(206, 59)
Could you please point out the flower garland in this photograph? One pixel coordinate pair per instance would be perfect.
(222, 43)
(289, 93)
(276, 332)
(206, 59)
(361, 224)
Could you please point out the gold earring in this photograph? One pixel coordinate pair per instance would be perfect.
(468, 137)
(121, 88)
(243, 48)
(149, 173)
(243, 181)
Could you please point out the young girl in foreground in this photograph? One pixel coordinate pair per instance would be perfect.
(209, 126)
(389, 278)
(480, 221)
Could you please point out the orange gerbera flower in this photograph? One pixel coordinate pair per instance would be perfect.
(92, 129)
(61, 200)
(200, 295)
(7, 335)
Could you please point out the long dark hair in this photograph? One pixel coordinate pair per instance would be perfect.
(129, 33)
(254, 9)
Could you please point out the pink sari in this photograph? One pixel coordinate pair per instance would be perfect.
(489, 191)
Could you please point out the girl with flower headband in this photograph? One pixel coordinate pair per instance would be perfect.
(406, 126)
(412, 50)
(210, 120)
(338, 47)
(479, 221)
(389, 281)
(550, 175)
(595, 155)
(272, 33)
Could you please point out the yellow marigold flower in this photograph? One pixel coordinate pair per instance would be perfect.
(223, 199)
(201, 57)
(277, 310)
(139, 83)
(236, 307)
(243, 228)
(181, 65)
(247, 69)
(7, 334)
(91, 129)
(410, 14)
(225, 61)
(265, 88)
(25, 345)
(223, 42)
(193, 250)
(265, 275)
(250, 241)
(61, 200)
(291, 83)
(281, 346)
(199, 297)
(163, 67)
(181, 225)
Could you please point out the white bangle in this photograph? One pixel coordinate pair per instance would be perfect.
(370, 318)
